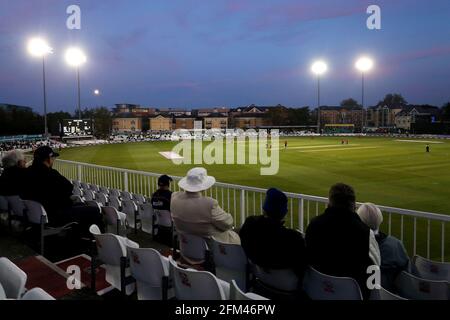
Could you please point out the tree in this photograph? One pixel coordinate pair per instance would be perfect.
(446, 112)
(349, 103)
(54, 120)
(393, 100)
(102, 122)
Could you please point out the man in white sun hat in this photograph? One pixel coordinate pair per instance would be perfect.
(196, 214)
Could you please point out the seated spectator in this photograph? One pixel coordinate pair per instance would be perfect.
(394, 258)
(48, 187)
(196, 214)
(161, 201)
(161, 197)
(338, 243)
(12, 178)
(268, 243)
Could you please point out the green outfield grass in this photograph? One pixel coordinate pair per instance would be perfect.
(382, 170)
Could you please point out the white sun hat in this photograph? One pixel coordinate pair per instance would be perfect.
(197, 180)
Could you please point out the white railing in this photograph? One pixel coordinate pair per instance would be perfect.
(422, 233)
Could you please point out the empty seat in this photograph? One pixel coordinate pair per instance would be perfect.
(383, 294)
(76, 183)
(237, 294)
(85, 186)
(414, 288)
(131, 210)
(89, 195)
(115, 220)
(114, 193)
(152, 285)
(3, 204)
(12, 279)
(101, 198)
(192, 248)
(139, 198)
(230, 262)
(431, 270)
(37, 294)
(112, 253)
(126, 196)
(146, 215)
(94, 188)
(76, 199)
(2, 293)
(77, 191)
(37, 215)
(190, 284)
(113, 201)
(319, 286)
(104, 190)
(16, 206)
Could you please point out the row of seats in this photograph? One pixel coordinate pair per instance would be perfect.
(13, 281)
(429, 281)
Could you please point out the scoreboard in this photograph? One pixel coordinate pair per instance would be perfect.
(77, 127)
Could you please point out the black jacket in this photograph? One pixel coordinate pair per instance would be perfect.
(161, 199)
(12, 181)
(48, 187)
(337, 243)
(269, 244)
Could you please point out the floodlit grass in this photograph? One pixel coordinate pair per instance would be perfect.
(382, 170)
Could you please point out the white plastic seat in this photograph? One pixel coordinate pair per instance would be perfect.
(383, 294)
(130, 209)
(16, 205)
(77, 191)
(112, 252)
(192, 248)
(89, 195)
(277, 281)
(37, 215)
(37, 294)
(114, 201)
(152, 285)
(94, 188)
(431, 270)
(414, 288)
(104, 190)
(146, 215)
(114, 193)
(139, 198)
(237, 294)
(85, 186)
(76, 199)
(126, 196)
(12, 279)
(101, 198)
(76, 183)
(230, 262)
(319, 286)
(115, 220)
(2, 293)
(190, 284)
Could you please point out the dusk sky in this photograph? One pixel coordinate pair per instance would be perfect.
(193, 54)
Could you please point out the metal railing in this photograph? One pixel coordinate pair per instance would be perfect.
(421, 232)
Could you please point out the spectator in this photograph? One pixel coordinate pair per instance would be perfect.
(268, 243)
(161, 197)
(12, 178)
(161, 202)
(394, 258)
(338, 243)
(48, 187)
(196, 214)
